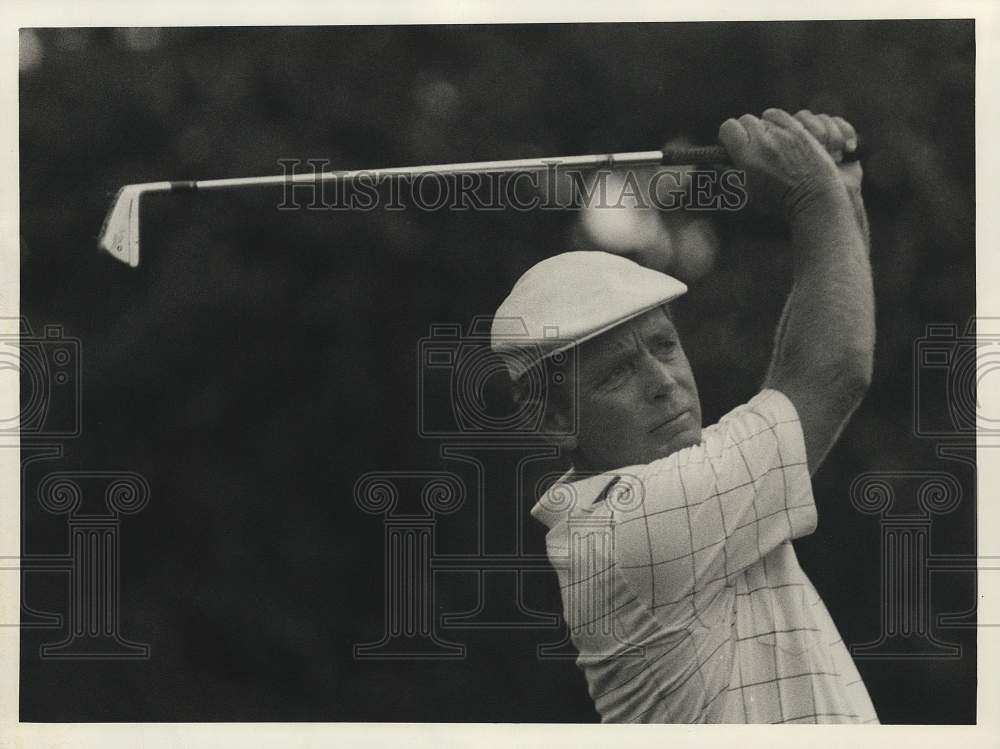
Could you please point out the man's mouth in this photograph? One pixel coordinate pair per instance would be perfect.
(673, 420)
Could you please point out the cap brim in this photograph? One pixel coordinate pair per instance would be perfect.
(593, 334)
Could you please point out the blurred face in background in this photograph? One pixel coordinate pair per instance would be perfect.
(636, 395)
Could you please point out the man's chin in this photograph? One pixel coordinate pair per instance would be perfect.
(648, 453)
(677, 442)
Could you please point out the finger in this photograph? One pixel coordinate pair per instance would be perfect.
(814, 124)
(834, 138)
(794, 126)
(754, 127)
(825, 131)
(734, 137)
(834, 141)
(849, 133)
(781, 118)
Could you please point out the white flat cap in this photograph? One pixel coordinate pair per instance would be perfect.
(569, 298)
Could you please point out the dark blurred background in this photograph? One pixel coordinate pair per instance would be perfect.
(258, 362)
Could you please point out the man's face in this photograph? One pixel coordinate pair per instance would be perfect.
(637, 396)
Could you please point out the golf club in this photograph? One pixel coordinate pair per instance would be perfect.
(120, 232)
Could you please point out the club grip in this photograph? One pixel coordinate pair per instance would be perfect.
(680, 155)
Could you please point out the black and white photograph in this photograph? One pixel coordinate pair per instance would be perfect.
(484, 371)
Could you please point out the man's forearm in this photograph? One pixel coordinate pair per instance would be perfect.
(823, 353)
(861, 216)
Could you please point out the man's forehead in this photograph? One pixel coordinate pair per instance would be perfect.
(623, 337)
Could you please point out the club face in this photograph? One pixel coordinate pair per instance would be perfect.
(120, 232)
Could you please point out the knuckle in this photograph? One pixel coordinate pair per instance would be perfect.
(844, 124)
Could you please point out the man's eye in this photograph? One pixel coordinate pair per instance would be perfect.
(666, 346)
(615, 375)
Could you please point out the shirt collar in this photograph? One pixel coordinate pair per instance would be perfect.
(570, 494)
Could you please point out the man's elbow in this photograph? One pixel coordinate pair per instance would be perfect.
(857, 376)
(848, 376)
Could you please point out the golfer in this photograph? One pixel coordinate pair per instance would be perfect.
(697, 609)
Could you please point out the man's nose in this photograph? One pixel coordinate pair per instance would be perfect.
(659, 377)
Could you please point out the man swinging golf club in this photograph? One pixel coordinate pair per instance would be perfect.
(705, 613)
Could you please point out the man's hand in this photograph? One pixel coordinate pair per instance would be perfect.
(838, 137)
(791, 162)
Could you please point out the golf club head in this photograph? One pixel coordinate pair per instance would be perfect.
(120, 233)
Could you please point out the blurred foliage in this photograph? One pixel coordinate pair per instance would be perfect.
(259, 361)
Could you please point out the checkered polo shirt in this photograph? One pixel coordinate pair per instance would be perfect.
(682, 591)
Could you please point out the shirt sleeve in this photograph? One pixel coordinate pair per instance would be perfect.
(704, 514)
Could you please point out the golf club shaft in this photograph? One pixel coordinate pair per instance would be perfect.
(667, 157)
(120, 232)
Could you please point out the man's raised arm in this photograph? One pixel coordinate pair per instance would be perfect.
(824, 349)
